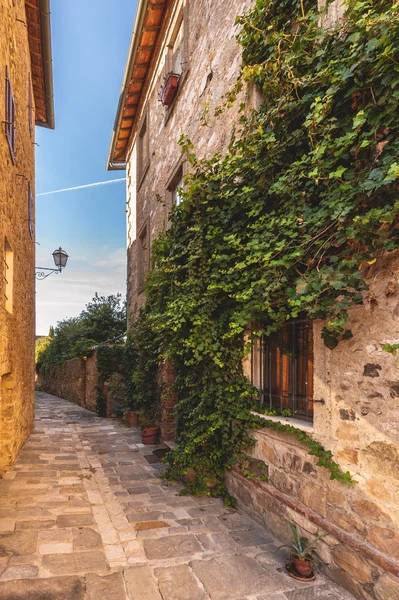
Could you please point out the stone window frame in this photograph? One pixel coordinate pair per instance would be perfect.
(264, 363)
(182, 20)
(143, 148)
(178, 173)
(8, 276)
(10, 122)
(143, 255)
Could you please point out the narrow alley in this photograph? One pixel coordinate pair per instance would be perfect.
(84, 515)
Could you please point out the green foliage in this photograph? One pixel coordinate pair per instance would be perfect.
(111, 368)
(286, 222)
(40, 348)
(142, 361)
(103, 318)
(391, 348)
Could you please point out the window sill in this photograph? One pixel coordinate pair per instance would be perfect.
(297, 423)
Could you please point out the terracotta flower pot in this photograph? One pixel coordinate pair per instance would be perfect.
(303, 567)
(132, 418)
(149, 435)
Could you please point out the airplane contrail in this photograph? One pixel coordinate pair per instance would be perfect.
(81, 187)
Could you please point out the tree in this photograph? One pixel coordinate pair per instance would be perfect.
(103, 318)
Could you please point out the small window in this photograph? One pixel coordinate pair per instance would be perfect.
(143, 150)
(177, 51)
(176, 188)
(10, 122)
(143, 257)
(8, 265)
(30, 210)
(30, 105)
(282, 369)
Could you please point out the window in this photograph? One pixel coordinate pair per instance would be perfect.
(8, 264)
(30, 210)
(143, 257)
(143, 150)
(177, 51)
(30, 105)
(175, 187)
(282, 369)
(10, 123)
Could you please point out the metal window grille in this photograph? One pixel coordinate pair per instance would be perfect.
(10, 124)
(282, 369)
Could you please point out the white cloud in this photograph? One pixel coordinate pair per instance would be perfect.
(65, 295)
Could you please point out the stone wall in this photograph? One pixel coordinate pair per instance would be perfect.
(75, 380)
(17, 326)
(65, 381)
(211, 70)
(359, 421)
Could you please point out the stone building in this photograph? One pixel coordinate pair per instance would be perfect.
(26, 99)
(349, 398)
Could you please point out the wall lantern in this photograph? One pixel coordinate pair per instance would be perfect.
(60, 260)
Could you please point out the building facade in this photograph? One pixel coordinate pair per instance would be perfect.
(26, 99)
(346, 399)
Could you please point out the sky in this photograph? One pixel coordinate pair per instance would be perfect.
(90, 42)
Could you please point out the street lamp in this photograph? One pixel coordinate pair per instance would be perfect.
(60, 260)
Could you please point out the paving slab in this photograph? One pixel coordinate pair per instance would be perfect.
(110, 587)
(85, 516)
(57, 588)
(233, 577)
(180, 583)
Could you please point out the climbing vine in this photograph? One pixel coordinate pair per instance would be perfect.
(111, 367)
(286, 222)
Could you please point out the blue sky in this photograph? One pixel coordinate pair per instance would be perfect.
(90, 40)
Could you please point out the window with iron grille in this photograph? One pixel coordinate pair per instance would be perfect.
(7, 276)
(282, 369)
(10, 122)
(30, 210)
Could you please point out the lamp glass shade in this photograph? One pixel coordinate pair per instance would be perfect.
(60, 258)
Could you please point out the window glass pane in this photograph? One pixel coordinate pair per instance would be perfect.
(178, 52)
(177, 198)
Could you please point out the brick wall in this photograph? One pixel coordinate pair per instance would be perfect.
(17, 328)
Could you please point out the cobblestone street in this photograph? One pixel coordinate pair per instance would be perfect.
(85, 515)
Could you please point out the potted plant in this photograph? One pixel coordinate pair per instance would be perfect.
(169, 88)
(149, 427)
(302, 551)
(131, 417)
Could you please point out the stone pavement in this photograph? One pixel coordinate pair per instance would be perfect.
(84, 515)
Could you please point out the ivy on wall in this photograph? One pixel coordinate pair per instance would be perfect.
(286, 222)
